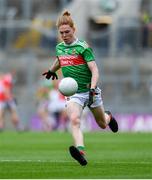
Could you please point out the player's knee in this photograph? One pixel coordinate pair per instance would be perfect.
(74, 120)
(102, 124)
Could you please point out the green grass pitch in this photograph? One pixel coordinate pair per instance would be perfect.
(45, 155)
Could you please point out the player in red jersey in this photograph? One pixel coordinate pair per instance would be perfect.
(7, 101)
(77, 60)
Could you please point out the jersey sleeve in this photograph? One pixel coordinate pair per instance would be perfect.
(56, 51)
(88, 55)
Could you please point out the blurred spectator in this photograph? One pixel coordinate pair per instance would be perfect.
(7, 101)
(56, 107)
(43, 100)
(51, 107)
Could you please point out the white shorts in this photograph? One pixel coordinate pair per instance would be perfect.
(8, 105)
(83, 98)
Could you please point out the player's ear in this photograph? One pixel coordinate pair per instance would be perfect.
(74, 29)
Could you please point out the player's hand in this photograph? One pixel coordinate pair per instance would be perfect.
(92, 93)
(49, 74)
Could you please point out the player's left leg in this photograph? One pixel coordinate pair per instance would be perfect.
(104, 118)
(113, 125)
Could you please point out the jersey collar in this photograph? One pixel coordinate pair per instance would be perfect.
(74, 42)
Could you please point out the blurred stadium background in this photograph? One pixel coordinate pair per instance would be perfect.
(119, 31)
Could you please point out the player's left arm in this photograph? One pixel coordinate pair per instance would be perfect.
(89, 57)
(94, 80)
(95, 73)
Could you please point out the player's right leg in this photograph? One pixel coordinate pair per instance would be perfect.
(74, 111)
(77, 155)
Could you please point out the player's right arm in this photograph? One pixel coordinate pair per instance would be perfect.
(55, 66)
(51, 72)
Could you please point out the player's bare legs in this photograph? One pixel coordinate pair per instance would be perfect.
(100, 116)
(74, 111)
(104, 119)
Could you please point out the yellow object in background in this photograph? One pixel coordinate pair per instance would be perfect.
(32, 37)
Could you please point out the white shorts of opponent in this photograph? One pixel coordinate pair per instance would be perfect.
(8, 105)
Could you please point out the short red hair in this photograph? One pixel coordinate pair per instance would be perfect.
(65, 19)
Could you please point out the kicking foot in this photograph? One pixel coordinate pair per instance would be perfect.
(75, 153)
(113, 125)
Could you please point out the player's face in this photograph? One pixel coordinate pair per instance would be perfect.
(67, 33)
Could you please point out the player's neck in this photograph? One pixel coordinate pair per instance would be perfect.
(75, 40)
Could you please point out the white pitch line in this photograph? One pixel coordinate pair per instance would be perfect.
(98, 162)
(28, 160)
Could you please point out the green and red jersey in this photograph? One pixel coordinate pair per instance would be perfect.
(73, 60)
